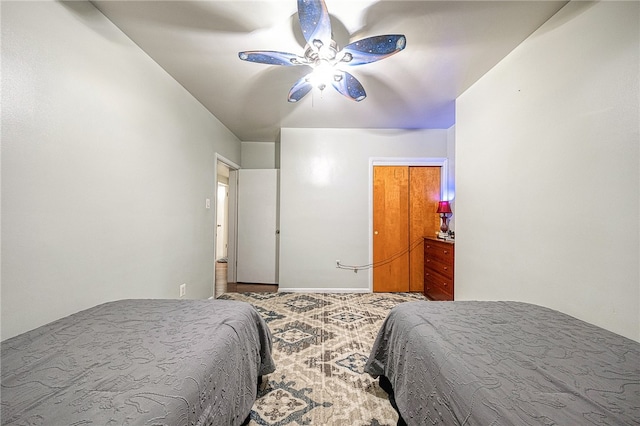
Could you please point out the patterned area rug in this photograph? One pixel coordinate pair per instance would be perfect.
(321, 343)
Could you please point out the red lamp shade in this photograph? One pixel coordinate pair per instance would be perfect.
(443, 207)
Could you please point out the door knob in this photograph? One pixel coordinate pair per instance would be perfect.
(375, 232)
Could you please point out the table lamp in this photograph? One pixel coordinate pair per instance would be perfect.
(444, 208)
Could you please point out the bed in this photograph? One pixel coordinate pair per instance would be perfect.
(504, 363)
(138, 362)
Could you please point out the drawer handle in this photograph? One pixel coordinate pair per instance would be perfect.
(428, 246)
(446, 252)
(428, 260)
(444, 284)
(446, 268)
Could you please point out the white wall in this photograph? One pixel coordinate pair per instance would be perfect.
(324, 200)
(106, 164)
(260, 155)
(451, 179)
(548, 184)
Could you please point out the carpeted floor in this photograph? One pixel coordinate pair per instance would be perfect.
(321, 343)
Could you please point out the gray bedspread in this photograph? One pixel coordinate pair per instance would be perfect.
(138, 362)
(505, 363)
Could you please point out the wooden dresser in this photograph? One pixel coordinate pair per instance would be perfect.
(438, 269)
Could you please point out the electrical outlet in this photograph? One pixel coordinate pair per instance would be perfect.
(207, 203)
(183, 290)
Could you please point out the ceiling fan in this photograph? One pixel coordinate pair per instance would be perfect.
(322, 55)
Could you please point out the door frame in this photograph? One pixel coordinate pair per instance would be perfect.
(222, 226)
(395, 161)
(231, 215)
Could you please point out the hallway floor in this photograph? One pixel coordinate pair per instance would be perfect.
(223, 286)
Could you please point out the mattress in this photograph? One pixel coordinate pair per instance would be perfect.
(504, 363)
(138, 362)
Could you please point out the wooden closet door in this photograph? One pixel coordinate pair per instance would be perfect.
(390, 228)
(424, 194)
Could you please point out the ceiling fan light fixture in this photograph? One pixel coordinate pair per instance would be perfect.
(323, 73)
(322, 54)
(328, 53)
(346, 57)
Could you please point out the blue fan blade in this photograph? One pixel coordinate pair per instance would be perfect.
(314, 21)
(349, 86)
(301, 88)
(272, 58)
(373, 49)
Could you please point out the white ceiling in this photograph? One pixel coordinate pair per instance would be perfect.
(450, 45)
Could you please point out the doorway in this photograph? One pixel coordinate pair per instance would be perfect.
(403, 204)
(225, 225)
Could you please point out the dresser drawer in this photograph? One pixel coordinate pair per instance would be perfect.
(435, 290)
(439, 251)
(446, 283)
(435, 265)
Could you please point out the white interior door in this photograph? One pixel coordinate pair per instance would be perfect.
(257, 226)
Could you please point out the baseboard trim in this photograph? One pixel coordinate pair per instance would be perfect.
(323, 290)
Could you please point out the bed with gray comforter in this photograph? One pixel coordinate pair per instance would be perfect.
(504, 363)
(138, 362)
